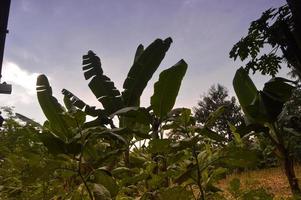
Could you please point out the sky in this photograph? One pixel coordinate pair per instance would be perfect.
(50, 36)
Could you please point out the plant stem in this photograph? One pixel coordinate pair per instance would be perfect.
(288, 160)
(82, 178)
(198, 174)
(83, 142)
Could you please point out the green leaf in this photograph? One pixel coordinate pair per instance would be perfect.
(121, 172)
(71, 100)
(54, 144)
(101, 86)
(206, 132)
(217, 174)
(103, 178)
(137, 114)
(160, 146)
(74, 119)
(249, 98)
(244, 130)
(185, 143)
(272, 106)
(57, 146)
(134, 179)
(167, 88)
(214, 116)
(110, 134)
(101, 193)
(137, 161)
(51, 108)
(188, 174)
(27, 120)
(240, 157)
(275, 93)
(175, 193)
(244, 87)
(279, 88)
(145, 64)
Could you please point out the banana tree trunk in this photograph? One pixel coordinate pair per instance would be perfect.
(291, 175)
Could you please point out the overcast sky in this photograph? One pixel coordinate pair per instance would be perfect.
(50, 37)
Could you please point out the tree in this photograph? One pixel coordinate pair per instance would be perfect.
(216, 97)
(95, 146)
(263, 110)
(277, 29)
(162, 170)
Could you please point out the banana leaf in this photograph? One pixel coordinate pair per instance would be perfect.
(101, 86)
(145, 64)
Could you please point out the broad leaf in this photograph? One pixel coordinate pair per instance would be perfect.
(175, 193)
(100, 192)
(103, 178)
(167, 88)
(208, 133)
(185, 143)
(210, 121)
(188, 174)
(145, 64)
(244, 87)
(138, 114)
(102, 87)
(275, 93)
(51, 108)
(121, 172)
(279, 88)
(75, 101)
(27, 120)
(160, 146)
(249, 98)
(110, 135)
(57, 146)
(240, 157)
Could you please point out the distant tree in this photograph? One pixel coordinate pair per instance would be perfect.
(216, 97)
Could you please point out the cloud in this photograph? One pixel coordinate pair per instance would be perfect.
(17, 76)
(23, 97)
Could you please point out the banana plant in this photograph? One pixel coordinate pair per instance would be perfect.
(263, 108)
(146, 62)
(87, 155)
(125, 105)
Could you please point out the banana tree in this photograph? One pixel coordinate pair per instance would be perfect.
(65, 133)
(263, 108)
(146, 62)
(86, 154)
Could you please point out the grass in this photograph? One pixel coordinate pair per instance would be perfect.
(272, 179)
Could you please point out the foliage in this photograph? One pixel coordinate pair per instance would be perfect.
(216, 97)
(264, 108)
(99, 160)
(278, 29)
(154, 153)
(26, 167)
(145, 64)
(291, 123)
(275, 29)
